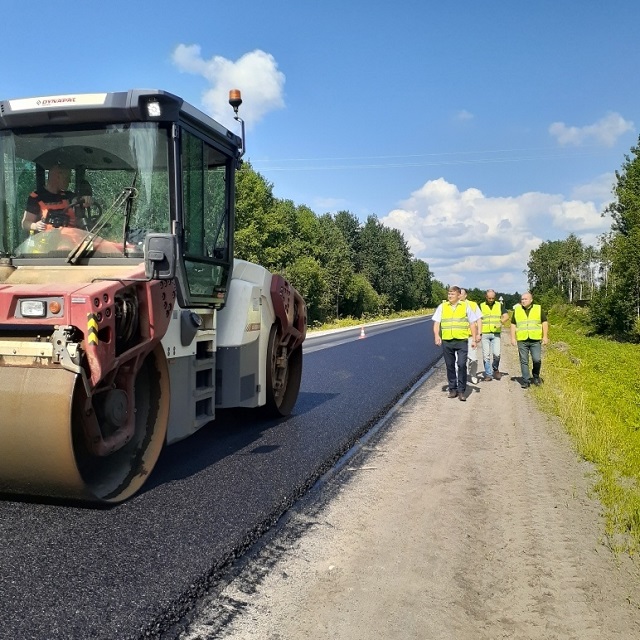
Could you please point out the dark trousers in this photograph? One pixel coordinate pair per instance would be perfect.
(457, 380)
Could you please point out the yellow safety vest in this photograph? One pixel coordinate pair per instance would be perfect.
(454, 324)
(491, 317)
(528, 327)
(474, 308)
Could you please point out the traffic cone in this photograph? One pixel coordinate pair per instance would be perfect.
(362, 333)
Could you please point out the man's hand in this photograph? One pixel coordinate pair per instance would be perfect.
(38, 226)
(438, 340)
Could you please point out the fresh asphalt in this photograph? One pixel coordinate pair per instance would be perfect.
(134, 570)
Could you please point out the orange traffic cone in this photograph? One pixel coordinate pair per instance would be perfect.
(362, 333)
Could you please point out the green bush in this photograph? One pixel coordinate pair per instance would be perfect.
(613, 316)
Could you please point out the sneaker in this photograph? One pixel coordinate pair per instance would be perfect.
(487, 378)
(462, 397)
(536, 380)
(524, 384)
(473, 379)
(497, 375)
(453, 394)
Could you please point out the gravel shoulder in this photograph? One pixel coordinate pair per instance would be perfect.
(465, 521)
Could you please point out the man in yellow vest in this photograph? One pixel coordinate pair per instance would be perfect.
(452, 322)
(492, 320)
(529, 330)
(472, 353)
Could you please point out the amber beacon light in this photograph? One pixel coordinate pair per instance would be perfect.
(235, 99)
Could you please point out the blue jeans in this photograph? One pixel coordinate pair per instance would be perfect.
(533, 347)
(491, 352)
(457, 380)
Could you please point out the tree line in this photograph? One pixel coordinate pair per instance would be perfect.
(341, 267)
(605, 278)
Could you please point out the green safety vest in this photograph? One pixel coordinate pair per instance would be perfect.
(491, 317)
(528, 327)
(454, 324)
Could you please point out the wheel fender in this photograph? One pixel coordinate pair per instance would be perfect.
(290, 310)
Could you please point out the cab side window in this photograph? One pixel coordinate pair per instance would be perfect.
(205, 206)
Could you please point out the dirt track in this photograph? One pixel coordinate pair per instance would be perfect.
(468, 521)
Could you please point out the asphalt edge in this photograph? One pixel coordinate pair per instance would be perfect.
(266, 551)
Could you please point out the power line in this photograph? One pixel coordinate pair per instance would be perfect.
(259, 166)
(423, 155)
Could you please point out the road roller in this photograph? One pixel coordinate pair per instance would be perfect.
(125, 320)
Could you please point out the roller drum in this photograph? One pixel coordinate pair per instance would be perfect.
(42, 450)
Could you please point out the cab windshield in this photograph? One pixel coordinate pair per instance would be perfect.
(114, 187)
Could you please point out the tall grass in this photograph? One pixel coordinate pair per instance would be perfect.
(593, 385)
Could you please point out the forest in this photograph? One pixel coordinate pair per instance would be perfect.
(341, 266)
(604, 279)
(344, 267)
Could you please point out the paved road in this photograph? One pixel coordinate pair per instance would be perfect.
(132, 570)
(480, 524)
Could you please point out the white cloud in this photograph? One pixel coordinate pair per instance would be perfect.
(478, 241)
(256, 74)
(605, 131)
(599, 190)
(463, 115)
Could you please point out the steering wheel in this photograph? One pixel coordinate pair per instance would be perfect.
(88, 215)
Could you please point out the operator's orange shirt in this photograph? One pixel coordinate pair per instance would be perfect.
(54, 208)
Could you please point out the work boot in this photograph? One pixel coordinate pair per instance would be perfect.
(452, 393)
(497, 375)
(462, 397)
(487, 378)
(524, 384)
(536, 380)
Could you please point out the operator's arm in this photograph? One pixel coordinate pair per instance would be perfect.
(32, 222)
(513, 331)
(32, 217)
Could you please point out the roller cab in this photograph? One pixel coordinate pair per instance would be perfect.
(124, 319)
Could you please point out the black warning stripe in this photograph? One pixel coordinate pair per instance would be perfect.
(92, 329)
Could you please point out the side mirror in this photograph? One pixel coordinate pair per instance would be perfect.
(160, 256)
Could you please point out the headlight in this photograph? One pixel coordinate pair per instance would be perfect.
(153, 109)
(33, 308)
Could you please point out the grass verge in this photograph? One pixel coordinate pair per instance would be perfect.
(592, 385)
(356, 322)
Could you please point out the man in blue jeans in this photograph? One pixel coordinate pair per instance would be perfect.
(529, 330)
(492, 320)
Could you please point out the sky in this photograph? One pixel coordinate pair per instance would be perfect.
(478, 129)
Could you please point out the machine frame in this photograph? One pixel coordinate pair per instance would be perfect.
(138, 322)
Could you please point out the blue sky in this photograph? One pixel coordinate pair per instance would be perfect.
(479, 129)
